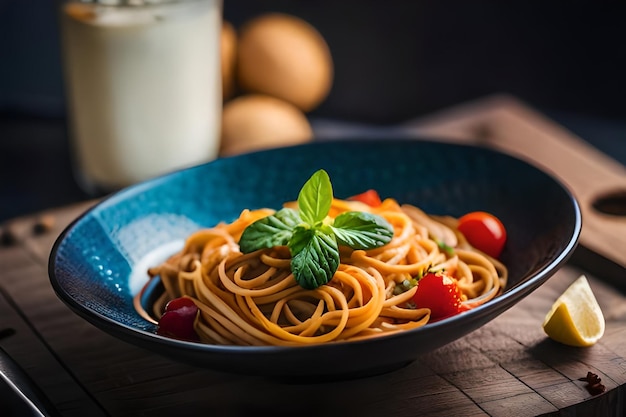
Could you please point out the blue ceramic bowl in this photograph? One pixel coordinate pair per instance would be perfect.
(99, 262)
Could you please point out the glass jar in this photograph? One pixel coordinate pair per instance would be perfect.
(143, 87)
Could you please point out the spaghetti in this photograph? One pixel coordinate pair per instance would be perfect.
(253, 298)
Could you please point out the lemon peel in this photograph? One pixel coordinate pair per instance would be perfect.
(575, 318)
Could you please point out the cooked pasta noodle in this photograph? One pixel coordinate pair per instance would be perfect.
(253, 299)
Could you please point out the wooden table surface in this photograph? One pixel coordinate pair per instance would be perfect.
(506, 368)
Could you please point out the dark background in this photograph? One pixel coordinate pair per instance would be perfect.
(394, 60)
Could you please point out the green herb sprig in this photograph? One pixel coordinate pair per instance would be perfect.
(312, 237)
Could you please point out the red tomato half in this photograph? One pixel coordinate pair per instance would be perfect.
(441, 294)
(483, 231)
(370, 197)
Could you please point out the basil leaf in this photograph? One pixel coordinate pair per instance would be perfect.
(315, 198)
(300, 238)
(313, 244)
(314, 257)
(270, 231)
(361, 230)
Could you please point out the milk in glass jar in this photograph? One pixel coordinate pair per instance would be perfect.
(143, 87)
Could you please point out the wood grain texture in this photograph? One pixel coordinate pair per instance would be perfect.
(506, 368)
(504, 123)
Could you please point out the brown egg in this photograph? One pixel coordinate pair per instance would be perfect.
(228, 59)
(81, 12)
(254, 122)
(285, 57)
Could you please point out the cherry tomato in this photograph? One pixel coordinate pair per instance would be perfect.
(369, 197)
(483, 231)
(440, 293)
(177, 321)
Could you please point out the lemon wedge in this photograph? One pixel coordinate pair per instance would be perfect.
(575, 318)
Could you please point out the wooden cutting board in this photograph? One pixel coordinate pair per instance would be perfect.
(509, 125)
(507, 368)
